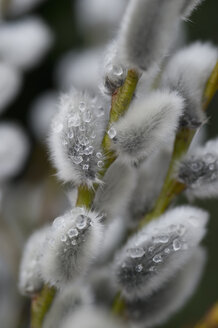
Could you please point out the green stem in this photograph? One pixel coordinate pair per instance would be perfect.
(211, 319)
(40, 306)
(120, 102)
(211, 87)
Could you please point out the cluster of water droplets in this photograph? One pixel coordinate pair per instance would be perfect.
(197, 170)
(81, 134)
(148, 252)
(71, 234)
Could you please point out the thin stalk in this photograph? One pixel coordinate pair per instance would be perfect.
(121, 100)
(211, 319)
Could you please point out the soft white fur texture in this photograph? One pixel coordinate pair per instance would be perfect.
(148, 125)
(189, 7)
(65, 303)
(66, 257)
(148, 30)
(25, 42)
(63, 148)
(166, 301)
(114, 194)
(92, 317)
(30, 280)
(188, 72)
(179, 230)
(205, 179)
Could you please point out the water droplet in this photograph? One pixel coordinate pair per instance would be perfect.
(74, 242)
(72, 232)
(82, 106)
(83, 140)
(100, 111)
(70, 134)
(112, 133)
(93, 135)
(176, 244)
(100, 164)
(136, 252)
(85, 167)
(74, 120)
(77, 159)
(87, 116)
(167, 251)
(63, 238)
(82, 127)
(58, 223)
(89, 150)
(157, 258)
(81, 221)
(139, 267)
(117, 70)
(99, 155)
(161, 239)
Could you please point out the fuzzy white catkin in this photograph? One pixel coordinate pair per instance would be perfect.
(170, 298)
(114, 194)
(24, 43)
(17, 7)
(154, 255)
(148, 31)
(41, 113)
(73, 243)
(91, 317)
(10, 84)
(76, 137)
(79, 69)
(149, 181)
(188, 72)
(199, 171)
(189, 7)
(14, 149)
(65, 303)
(148, 125)
(30, 280)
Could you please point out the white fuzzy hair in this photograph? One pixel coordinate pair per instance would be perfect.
(70, 249)
(189, 6)
(148, 29)
(64, 149)
(92, 317)
(147, 126)
(178, 231)
(30, 280)
(188, 72)
(205, 172)
(24, 43)
(72, 297)
(170, 298)
(114, 194)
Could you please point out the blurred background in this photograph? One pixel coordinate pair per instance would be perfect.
(32, 196)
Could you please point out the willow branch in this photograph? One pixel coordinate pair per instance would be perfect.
(120, 102)
(210, 320)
